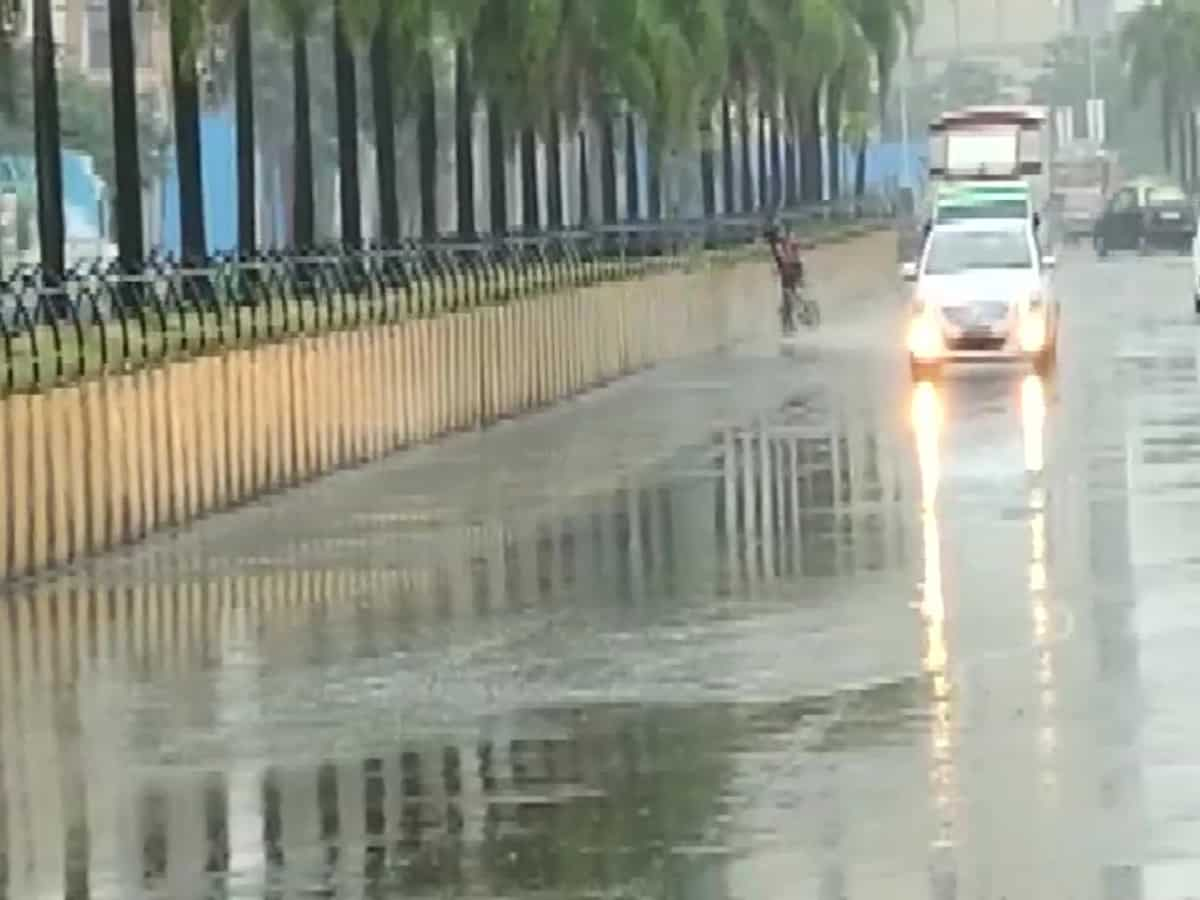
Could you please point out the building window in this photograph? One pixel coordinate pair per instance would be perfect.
(99, 48)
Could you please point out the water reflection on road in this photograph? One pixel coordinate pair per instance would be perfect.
(874, 641)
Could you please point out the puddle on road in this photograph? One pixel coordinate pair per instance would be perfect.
(388, 710)
(740, 669)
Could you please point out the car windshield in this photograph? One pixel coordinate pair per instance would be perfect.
(1165, 196)
(956, 251)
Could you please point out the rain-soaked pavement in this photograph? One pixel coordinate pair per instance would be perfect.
(760, 625)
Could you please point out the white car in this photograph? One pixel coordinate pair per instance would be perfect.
(982, 292)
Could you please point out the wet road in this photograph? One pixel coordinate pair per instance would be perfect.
(760, 625)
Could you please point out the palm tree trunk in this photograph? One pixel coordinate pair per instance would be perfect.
(346, 85)
(1185, 164)
(244, 112)
(554, 173)
(811, 173)
(747, 150)
(860, 170)
(633, 173)
(790, 192)
(708, 187)
(777, 173)
(130, 248)
(1168, 160)
(727, 187)
(464, 140)
(187, 138)
(653, 182)
(585, 181)
(497, 170)
(48, 147)
(530, 206)
(383, 101)
(303, 224)
(1193, 149)
(833, 133)
(764, 184)
(427, 147)
(608, 169)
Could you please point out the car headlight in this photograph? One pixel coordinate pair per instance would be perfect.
(925, 338)
(1033, 332)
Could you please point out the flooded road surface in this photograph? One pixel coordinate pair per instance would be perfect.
(761, 625)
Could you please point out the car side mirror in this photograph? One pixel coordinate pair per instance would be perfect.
(1049, 262)
(908, 271)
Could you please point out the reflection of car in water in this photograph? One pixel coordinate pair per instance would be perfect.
(1145, 215)
(982, 292)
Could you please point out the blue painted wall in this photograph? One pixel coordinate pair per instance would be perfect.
(218, 150)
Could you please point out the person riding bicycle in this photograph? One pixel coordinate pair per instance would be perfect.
(790, 266)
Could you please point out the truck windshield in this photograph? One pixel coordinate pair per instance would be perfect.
(955, 211)
(986, 151)
(957, 251)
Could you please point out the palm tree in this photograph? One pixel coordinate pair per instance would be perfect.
(186, 30)
(237, 15)
(816, 29)
(410, 34)
(464, 139)
(296, 19)
(346, 85)
(512, 52)
(755, 53)
(122, 57)
(1156, 44)
(686, 50)
(47, 146)
(244, 115)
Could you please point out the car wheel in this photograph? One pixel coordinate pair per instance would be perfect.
(1196, 302)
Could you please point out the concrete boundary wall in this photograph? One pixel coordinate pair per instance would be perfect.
(95, 465)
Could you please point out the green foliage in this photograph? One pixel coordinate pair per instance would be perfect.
(85, 112)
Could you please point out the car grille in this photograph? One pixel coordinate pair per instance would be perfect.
(976, 343)
(976, 314)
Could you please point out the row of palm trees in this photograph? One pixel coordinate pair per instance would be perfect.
(1160, 45)
(808, 69)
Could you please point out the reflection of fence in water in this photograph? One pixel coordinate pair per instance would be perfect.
(807, 500)
(497, 809)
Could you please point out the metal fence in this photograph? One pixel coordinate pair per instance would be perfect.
(103, 319)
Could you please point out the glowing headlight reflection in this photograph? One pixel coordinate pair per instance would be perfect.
(927, 417)
(1033, 418)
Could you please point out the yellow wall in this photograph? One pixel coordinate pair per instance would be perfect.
(92, 466)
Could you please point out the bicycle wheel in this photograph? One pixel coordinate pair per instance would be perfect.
(787, 313)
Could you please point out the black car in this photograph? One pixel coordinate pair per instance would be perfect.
(1144, 216)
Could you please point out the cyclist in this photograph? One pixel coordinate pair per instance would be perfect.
(788, 262)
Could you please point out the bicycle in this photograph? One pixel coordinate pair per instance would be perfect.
(797, 306)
